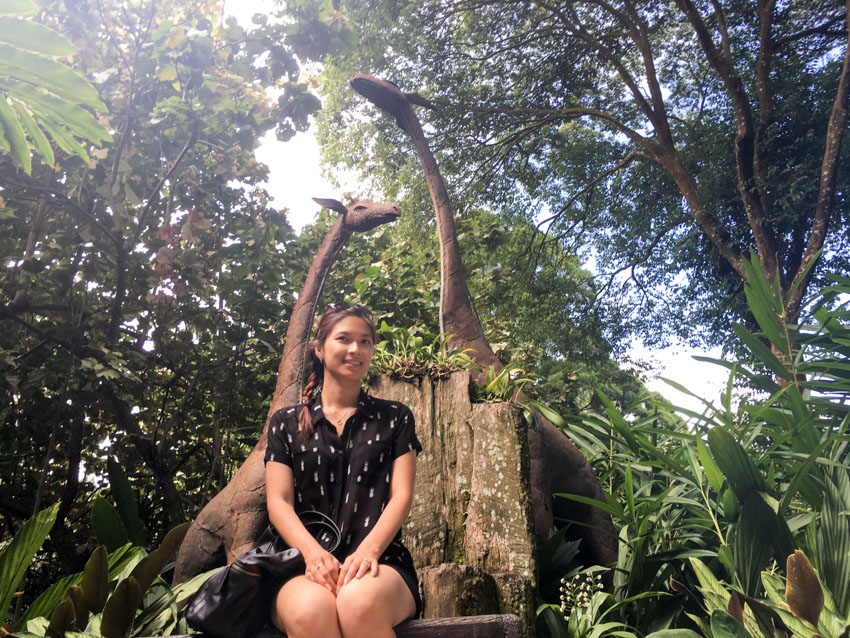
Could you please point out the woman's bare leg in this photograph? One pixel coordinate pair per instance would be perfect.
(369, 607)
(304, 609)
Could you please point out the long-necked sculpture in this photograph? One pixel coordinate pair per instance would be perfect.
(231, 522)
(557, 466)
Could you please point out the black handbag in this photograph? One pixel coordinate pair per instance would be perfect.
(235, 601)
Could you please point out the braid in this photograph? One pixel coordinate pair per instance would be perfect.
(305, 423)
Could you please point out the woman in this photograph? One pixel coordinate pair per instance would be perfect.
(352, 457)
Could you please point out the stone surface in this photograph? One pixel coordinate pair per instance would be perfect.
(450, 590)
(470, 529)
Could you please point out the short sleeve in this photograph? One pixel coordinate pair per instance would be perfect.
(405, 436)
(277, 441)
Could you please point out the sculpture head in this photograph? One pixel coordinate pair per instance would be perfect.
(362, 215)
(385, 95)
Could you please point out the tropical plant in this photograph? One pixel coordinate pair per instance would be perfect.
(118, 594)
(17, 554)
(40, 96)
(739, 487)
(504, 385)
(405, 354)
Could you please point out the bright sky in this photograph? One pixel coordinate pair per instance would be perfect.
(295, 177)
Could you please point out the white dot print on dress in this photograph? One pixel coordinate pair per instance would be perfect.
(322, 490)
(274, 429)
(272, 456)
(355, 507)
(346, 497)
(366, 466)
(290, 410)
(316, 435)
(371, 492)
(315, 477)
(319, 461)
(358, 478)
(289, 437)
(364, 427)
(381, 458)
(378, 436)
(392, 424)
(366, 522)
(302, 465)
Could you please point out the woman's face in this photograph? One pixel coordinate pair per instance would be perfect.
(348, 349)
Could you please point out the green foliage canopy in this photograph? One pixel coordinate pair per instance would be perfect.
(658, 140)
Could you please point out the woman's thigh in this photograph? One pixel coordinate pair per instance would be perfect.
(385, 598)
(303, 608)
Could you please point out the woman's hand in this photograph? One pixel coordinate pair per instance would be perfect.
(323, 569)
(357, 565)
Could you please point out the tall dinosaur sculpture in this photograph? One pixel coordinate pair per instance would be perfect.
(557, 465)
(232, 521)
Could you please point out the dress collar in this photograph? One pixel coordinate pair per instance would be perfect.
(365, 407)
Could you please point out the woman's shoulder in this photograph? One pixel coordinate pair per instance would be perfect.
(288, 413)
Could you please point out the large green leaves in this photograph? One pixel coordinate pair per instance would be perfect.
(40, 96)
(834, 540)
(17, 555)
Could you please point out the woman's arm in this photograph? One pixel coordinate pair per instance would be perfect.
(365, 558)
(322, 566)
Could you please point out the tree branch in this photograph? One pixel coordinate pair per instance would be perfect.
(641, 258)
(829, 168)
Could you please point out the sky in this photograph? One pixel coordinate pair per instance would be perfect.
(295, 176)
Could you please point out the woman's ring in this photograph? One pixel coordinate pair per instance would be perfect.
(317, 565)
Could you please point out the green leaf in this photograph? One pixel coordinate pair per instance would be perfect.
(674, 633)
(17, 7)
(39, 141)
(81, 610)
(95, 580)
(761, 351)
(50, 74)
(735, 463)
(724, 626)
(62, 619)
(18, 554)
(121, 608)
(14, 133)
(751, 550)
(106, 524)
(35, 37)
(153, 564)
(125, 502)
(834, 539)
(62, 112)
(712, 472)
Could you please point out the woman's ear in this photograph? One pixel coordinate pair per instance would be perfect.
(319, 354)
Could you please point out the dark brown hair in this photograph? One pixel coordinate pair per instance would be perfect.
(335, 313)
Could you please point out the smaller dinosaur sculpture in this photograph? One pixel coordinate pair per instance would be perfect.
(232, 521)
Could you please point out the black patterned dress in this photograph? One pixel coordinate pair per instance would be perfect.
(348, 477)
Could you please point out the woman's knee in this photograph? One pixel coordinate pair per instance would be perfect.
(306, 610)
(363, 610)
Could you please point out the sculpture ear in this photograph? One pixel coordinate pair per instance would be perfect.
(331, 204)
